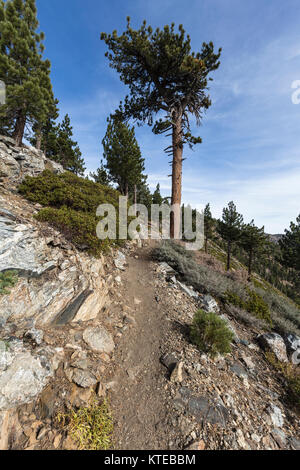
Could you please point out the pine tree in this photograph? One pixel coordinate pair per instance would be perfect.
(157, 197)
(45, 130)
(164, 74)
(208, 226)
(229, 228)
(123, 156)
(101, 176)
(25, 73)
(68, 152)
(144, 195)
(290, 245)
(253, 240)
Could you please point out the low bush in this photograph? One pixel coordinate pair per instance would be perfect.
(71, 203)
(285, 312)
(7, 279)
(264, 304)
(78, 227)
(292, 376)
(68, 190)
(210, 333)
(252, 302)
(91, 427)
(247, 318)
(201, 277)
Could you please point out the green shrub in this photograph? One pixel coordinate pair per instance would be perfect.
(69, 190)
(78, 227)
(247, 318)
(252, 303)
(71, 203)
(263, 303)
(90, 427)
(284, 310)
(234, 299)
(210, 333)
(7, 279)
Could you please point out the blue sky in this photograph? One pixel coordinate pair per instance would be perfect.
(251, 134)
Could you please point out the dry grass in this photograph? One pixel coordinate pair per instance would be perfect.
(89, 427)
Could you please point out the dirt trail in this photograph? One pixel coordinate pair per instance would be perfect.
(138, 398)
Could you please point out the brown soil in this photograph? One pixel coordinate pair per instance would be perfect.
(138, 398)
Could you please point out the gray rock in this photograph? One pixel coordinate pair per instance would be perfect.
(210, 305)
(238, 370)
(188, 290)
(280, 437)
(165, 268)
(275, 415)
(8, 140)
(295, 443)
(274, 343)
(292, 343)
(17, 163)
(203, 408)
(35, 335)
(83, 378)
(9, 167)
(22, 379)
(22, 248)
(169, 361)
(99, 339)
(81, 363)
(120, 261)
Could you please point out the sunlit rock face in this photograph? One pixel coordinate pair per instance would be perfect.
(18, 162)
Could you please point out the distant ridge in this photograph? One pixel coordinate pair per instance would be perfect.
(275, 238)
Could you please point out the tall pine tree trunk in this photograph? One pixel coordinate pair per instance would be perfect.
(19, 128)
(176, 176)
(38, 136)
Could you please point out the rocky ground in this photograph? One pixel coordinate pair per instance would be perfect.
(167, 395)
(118, 327)
(163, 392)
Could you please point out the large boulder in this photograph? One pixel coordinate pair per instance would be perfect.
(18, 162)
(56, 283)
(274, 343)
(292, 343)
(22, 248)
(22, 375)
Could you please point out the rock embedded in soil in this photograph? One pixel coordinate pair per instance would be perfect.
(169, 361)
(84, 378)
(275, 415)
(274, 343)
(120, 261)
(99, 339)
(177, 373)
(292, 343)
(210, 305)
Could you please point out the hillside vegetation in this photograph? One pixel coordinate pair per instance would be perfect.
(70, 203)
(255, 302)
